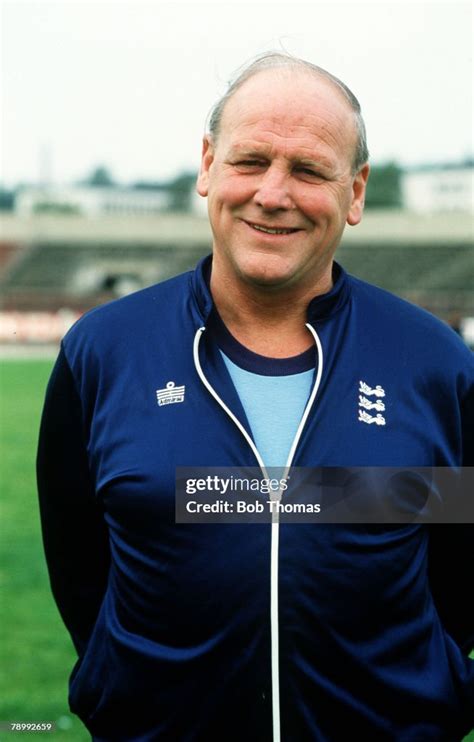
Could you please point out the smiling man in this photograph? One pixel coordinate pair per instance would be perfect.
(268, 354)
(282, 174)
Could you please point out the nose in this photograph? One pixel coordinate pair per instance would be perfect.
(272, 193)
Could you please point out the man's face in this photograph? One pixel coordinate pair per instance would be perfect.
(279, 180)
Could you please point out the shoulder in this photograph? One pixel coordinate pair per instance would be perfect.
(397, 320)
(131, 311)
(117, 329)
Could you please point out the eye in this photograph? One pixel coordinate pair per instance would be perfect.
(309, 173)
(250, 163)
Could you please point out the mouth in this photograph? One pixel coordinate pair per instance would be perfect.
(272, 230)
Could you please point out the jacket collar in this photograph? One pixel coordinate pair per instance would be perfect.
(200, 281)
(326, 305)
(319, 309)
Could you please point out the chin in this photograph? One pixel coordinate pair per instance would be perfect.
(265, 271)
(267, 278)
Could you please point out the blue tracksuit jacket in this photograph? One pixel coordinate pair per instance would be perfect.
(172, 622)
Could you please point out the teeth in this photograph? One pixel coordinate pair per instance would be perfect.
(272, 231)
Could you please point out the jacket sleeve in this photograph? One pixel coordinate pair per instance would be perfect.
(75, 536)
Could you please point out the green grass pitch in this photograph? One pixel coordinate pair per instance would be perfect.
(36, 654)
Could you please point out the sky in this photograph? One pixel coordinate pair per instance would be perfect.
(130, 84)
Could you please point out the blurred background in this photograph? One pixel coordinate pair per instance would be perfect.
(103, 108)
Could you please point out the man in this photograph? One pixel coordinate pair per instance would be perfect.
(260, 632)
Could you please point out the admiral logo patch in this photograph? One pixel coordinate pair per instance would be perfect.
(171, 394)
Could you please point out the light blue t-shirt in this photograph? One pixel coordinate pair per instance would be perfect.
(274, 406)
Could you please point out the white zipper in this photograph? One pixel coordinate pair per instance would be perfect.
(275, 532)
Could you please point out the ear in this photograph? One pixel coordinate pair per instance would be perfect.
(359, 185)
(207, 158)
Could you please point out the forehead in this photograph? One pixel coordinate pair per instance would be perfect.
(290, 109)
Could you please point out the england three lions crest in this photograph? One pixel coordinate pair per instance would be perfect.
(366, 404)
(171, 394)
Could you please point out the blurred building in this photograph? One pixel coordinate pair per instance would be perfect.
(435, 188)
(90, 201)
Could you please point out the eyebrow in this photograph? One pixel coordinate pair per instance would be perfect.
(238, 151)
(311, 163)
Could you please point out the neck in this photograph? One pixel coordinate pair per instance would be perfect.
(267, 320)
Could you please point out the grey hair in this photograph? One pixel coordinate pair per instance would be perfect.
(273, 60)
